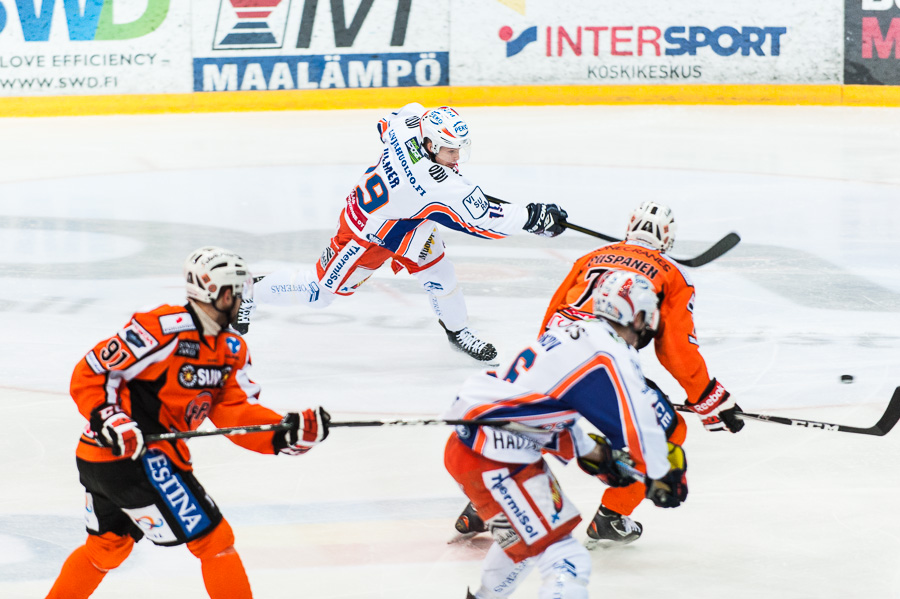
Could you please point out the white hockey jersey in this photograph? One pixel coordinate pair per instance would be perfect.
(404, 188)
(582, 370)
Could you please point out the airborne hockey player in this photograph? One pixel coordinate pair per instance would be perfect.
(586, 370)
(168, 370)
(392, 214)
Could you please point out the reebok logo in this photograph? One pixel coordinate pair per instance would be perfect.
(714, 398)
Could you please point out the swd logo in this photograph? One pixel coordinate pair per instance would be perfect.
(517, 44)
(86, 20)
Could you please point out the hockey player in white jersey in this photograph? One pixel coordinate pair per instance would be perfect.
(391, 215)
(586, 370)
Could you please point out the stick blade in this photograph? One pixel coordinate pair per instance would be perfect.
(891, 415)
(717, 250)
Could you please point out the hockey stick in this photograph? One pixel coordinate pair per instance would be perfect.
(882, 427)
(280, 426)
(717, 249)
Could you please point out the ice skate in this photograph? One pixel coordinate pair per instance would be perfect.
(609, 528)
(465, 341)
(242, 323)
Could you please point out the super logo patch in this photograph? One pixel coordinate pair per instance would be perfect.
(476, 203)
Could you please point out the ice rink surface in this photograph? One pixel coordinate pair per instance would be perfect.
(98, 213)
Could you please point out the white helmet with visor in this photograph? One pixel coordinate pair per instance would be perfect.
(621, 295)
(210, 269)
(446, 129)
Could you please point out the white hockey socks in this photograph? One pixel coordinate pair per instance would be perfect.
(446, 297)
(565, 567)
(292, 287)
(500, 575)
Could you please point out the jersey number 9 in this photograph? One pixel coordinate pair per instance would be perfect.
(376, 197)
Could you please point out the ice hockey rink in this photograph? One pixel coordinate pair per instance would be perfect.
(98, 213)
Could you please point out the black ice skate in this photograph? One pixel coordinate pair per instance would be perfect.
(469, 522)
(469, 594)
(465, 341)
(242, 323)
(609, 528)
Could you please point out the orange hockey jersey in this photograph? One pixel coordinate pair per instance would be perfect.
(160, 371)
(676, 341)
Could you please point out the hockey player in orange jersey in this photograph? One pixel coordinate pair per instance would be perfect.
(649, 235)
(168, 370)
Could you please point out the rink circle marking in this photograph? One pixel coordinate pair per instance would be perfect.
(13, 550)
(50, 246)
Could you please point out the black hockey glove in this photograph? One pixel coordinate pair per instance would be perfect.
(545, 219)
(717, 409)
(306, 431)
(605, 468)
(670, 490)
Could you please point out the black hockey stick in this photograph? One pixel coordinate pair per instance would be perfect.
(280, 426)
(882, 427)
(717, 249)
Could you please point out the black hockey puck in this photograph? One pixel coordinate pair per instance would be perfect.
(846, 378)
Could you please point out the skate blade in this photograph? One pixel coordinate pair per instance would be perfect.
(591, 544)
(460, 537)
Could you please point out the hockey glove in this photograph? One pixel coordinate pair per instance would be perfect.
(670, 490)
(545, 219)
(717, 409)
(115, 429)
(306, 430)
(604, 467)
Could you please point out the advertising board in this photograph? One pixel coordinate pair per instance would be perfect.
(609, 42)
(872, 42)
(241, 45)
(89, 47)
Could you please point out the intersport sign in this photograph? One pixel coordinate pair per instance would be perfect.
(649, 42)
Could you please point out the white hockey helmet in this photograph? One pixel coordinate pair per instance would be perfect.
(446, 129)
(653, 224)
(620, 295)
(210, 269)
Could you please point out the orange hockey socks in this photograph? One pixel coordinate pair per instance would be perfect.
(79, 577)
(225, 577)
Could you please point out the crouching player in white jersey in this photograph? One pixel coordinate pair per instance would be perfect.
(392, 216)
(588, 369)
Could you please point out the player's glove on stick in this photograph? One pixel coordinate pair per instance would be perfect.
(717, 409)
(670, 490)
(545, 219)
(604, 467)
(114, 428)
(306, 430)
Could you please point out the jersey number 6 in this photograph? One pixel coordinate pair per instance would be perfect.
(525, 360)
